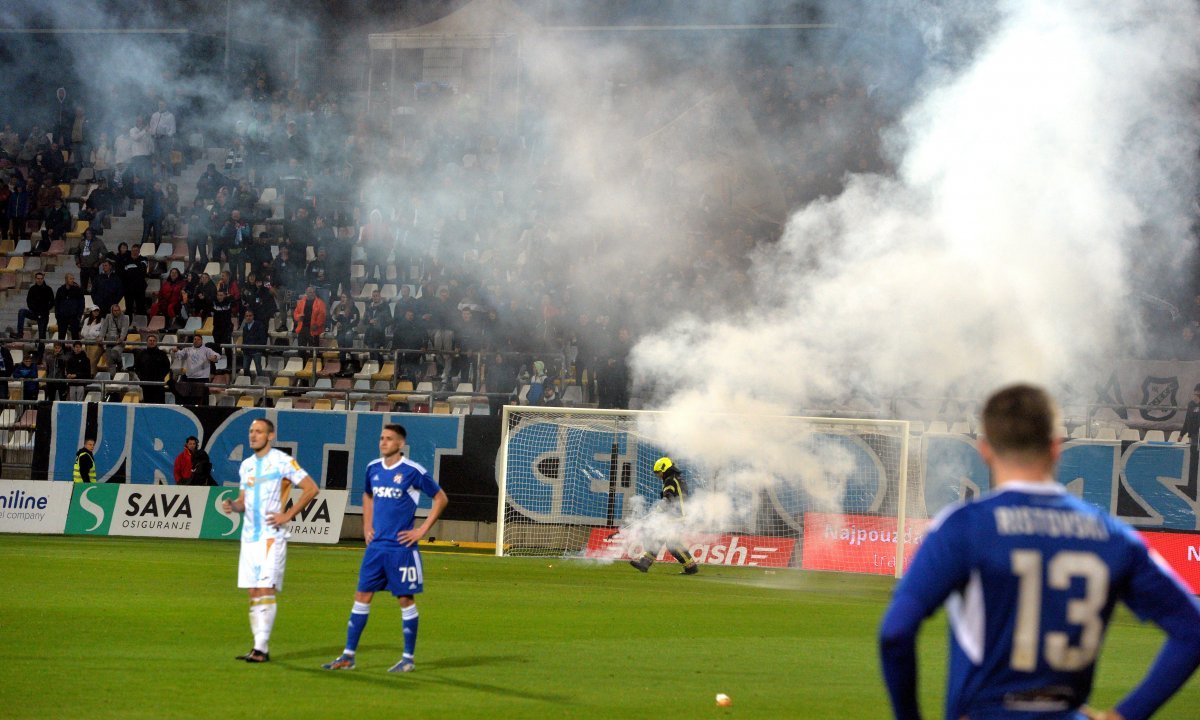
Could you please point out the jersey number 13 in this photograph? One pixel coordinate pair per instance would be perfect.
(1060, 570)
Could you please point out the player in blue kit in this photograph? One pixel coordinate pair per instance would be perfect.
(1029, 575)
(392, 561)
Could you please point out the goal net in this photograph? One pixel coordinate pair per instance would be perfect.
(803, 492)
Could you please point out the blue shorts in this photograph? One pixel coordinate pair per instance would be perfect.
(395, 568)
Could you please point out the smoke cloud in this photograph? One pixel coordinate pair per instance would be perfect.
(1043, 180)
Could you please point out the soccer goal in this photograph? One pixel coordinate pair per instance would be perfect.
(801, 492)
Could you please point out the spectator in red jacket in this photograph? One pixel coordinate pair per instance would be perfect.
(183, 462)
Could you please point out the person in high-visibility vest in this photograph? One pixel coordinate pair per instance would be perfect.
(85, 462)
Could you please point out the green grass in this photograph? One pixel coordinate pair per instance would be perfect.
(132, 628)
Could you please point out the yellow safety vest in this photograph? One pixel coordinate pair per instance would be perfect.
(79, 476)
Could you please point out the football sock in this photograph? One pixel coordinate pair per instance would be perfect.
(358, 622)
(409, 622)
(262, 621)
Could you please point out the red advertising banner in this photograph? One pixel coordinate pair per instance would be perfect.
(856, 543)
(740, 550)
(1181, 551)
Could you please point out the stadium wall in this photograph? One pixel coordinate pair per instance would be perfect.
(1151, 485)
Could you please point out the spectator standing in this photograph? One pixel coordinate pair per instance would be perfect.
(152, 365)
(89, 254)
(107, 290)
(68, 307)
(198, 231)
(310, 318)
(182, 470)
(39, 300)
(7, 366)
(162, 130)
(254, 332)
(132, 270)
(78, 370)
(58, 224)
(377, 319)
(196, 362)
(235, 238)
(55, 362)
(153, 204)
(113, 331)
(345, 327)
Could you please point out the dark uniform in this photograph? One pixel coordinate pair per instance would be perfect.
(673, 491)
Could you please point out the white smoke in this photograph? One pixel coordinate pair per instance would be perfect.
(1001, 251)
(1032, 186)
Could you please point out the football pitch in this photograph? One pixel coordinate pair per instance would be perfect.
(136, 628)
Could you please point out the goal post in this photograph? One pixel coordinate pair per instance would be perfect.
(801, 492)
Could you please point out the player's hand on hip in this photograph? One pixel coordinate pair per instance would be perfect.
(277, 519)
(410, 537)
(369, 535)
(1091, 714)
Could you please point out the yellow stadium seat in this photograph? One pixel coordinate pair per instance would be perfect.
(77, 231)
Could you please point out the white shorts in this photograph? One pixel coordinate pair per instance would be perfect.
(261, 563)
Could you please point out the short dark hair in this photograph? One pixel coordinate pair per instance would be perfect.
(1020, 420)
(270, 425)
(398, 429)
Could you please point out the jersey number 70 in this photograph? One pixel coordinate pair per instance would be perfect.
(1061, 568)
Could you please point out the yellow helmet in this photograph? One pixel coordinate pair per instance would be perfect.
(663, 464)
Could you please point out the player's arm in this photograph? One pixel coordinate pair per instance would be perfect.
(411, 537)
(238, 505)
(308, 491)
(368, 516)
(939, 567)
(1155, 594)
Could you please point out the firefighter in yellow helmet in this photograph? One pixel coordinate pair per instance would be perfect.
(673, 491)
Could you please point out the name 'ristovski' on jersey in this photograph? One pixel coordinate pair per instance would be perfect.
(1048, 522)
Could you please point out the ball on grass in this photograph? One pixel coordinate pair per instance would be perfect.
(724, 700)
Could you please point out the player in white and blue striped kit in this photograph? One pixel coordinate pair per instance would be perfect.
(392, 562)
(1030, 575)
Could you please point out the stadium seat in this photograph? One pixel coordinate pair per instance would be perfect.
(1079, 432)
(213, 269)
(1155, 436)
(381, 406)
(1174, 436)
(192, 326)
(1130, 435)
(148, 249)
(1106, 433)
(938, 426)
(16, 263)
(361, 406)
(961, 427)
(386, 371)
(368, 372)
(77, 232)
(302, 404)
(283, 404)
(245, 401)
(294, 365)
(156, 324)
(23, 246)
(57, 247)
(441, 407)
(323, 404)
